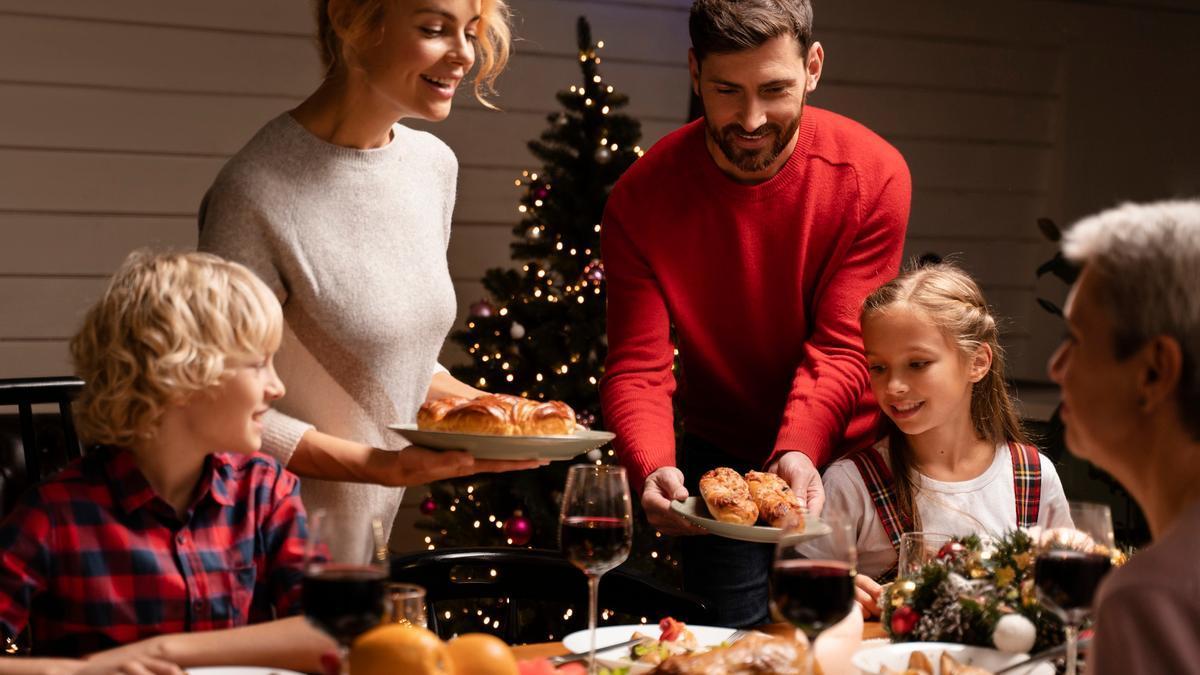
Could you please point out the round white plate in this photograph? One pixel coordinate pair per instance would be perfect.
(871, 660)
(489, 446)
(694, 510)
(708, 636)
(239, 670)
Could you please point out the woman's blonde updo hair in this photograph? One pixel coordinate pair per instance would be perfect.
(952, 301)
(168, 326)
(351, 21)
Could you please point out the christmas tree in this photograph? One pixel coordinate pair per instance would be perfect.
(541, 334)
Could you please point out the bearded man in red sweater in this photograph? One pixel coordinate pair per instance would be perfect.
(752, 235)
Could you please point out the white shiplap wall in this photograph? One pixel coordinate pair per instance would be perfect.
(116, 115)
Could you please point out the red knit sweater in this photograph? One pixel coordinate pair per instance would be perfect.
(762, 285)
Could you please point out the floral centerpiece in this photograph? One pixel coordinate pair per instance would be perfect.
(975, 593)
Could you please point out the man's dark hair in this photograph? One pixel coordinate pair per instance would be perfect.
(723, 26)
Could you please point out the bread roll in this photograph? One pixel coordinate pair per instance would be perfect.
(497, 414)
(728, 497)
(774, 498)
(483, 415)
(549, 418)
(431, 414)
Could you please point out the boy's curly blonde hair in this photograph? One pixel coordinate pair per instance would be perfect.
(168, 326)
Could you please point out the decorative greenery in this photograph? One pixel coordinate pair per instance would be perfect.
(962, 594)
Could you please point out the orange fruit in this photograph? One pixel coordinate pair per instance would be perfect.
(480, 654)
(394, 648)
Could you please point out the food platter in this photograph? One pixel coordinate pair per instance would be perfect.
(488, 446)
(706, 636)
(696, 513)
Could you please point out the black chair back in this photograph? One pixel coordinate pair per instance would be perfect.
(539, 595)
(34, 445)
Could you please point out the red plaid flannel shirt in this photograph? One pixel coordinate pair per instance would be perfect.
(93, 558)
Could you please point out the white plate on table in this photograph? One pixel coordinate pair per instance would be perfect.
(870, 660)
(491, 446)
(239, 670)
(695, 512)
(706, 636)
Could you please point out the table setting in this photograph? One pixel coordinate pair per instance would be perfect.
(961, 605)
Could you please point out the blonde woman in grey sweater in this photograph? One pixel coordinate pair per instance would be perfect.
(345, 214)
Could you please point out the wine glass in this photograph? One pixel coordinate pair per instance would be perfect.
(595, 529)
(406, 604)
(916, 549)
(345, 573)
(814, 593)
(1070, 565)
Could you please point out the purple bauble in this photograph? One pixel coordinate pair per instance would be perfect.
(518, 529)
(428, 506)
(482, 309)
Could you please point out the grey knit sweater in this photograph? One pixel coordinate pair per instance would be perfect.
(353, 242)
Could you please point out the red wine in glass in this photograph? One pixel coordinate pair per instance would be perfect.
(1067, 580)
(595, 544)
(812, 595)
(344, 600)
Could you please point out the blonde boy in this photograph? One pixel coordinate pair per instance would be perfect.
(171, 525)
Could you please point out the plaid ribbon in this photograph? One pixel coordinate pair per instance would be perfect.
(1027, 483)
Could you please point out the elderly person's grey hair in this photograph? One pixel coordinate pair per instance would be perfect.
(1145, 259)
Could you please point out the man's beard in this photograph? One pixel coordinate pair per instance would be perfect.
(752, 161)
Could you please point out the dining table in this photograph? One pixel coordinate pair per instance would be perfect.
(539, 650)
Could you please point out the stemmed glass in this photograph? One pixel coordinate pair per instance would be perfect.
(595, 529)
(814, 593)
(916, 549)
(345, 573)
(1070, 565)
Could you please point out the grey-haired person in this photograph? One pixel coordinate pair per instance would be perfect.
(1129, 368)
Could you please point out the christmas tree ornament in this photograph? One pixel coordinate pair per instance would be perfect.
(603, 155)
(950, 551)
(901, 591)
(594, 271)
(517, 331)
(1014, 634)
(428, 506)
(904, 620)
(594, 455)
(585, 418)
(518, 529)
(482, 309)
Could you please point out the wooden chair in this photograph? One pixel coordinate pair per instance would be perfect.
(514, 587)
(33, 446)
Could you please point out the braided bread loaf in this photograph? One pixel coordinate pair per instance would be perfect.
(497, 414)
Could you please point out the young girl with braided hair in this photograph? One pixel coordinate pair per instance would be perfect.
(953, 458)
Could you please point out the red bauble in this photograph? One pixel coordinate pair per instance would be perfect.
(428, 506)
(518, 529)
(904, 620)
(950, 550)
